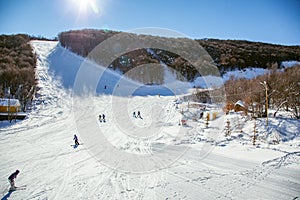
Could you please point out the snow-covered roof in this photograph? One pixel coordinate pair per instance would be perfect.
(240, 103)
(11, 102)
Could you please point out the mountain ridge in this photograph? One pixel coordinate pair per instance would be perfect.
(226, 54)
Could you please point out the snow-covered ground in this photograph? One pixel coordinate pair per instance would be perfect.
(133, 158)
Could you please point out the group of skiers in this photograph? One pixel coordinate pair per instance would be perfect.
(138, 114)
(102, 118)
(12, 177)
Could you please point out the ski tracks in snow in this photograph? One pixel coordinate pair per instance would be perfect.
(53, 170)
(243, 183)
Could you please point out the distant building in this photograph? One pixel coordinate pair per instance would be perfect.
(9, 105)
(239, 106)
(10, 109)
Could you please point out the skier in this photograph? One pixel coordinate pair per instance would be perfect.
(11, 180)
(201, 115)
(76, 140)
(139, 114)
(134, 114)
(103, 117)
(100, 118)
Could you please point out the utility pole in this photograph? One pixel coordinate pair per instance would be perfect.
(266, 100)
(254, 133)
(8, 106)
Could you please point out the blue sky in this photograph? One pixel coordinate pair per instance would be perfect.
(272, 21)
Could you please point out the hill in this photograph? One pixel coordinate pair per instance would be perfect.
(232, 54)
(226, 54)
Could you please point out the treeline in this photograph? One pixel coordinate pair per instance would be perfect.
(239, 54)
(17, 68)
(40, 37)
(82, 42)
(226, 54)
(283, 91)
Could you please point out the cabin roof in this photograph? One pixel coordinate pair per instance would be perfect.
(9, 102)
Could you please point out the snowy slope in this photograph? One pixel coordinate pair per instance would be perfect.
(132, 158)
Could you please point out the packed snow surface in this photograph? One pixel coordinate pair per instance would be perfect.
(152, 157)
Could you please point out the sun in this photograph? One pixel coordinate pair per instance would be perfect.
(85, 5)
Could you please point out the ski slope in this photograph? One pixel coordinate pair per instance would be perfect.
(132, 158)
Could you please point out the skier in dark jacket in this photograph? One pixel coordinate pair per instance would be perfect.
(11, 179)
(139, 114)
(103, 117)
(76, 140)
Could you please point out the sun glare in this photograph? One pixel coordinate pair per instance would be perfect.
(85, 5)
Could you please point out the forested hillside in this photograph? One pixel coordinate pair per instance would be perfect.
(226, 54)
(83, 42)
(239, 54)
(283, 91)
(17, 67)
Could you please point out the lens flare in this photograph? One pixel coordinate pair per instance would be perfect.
(84, 5)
